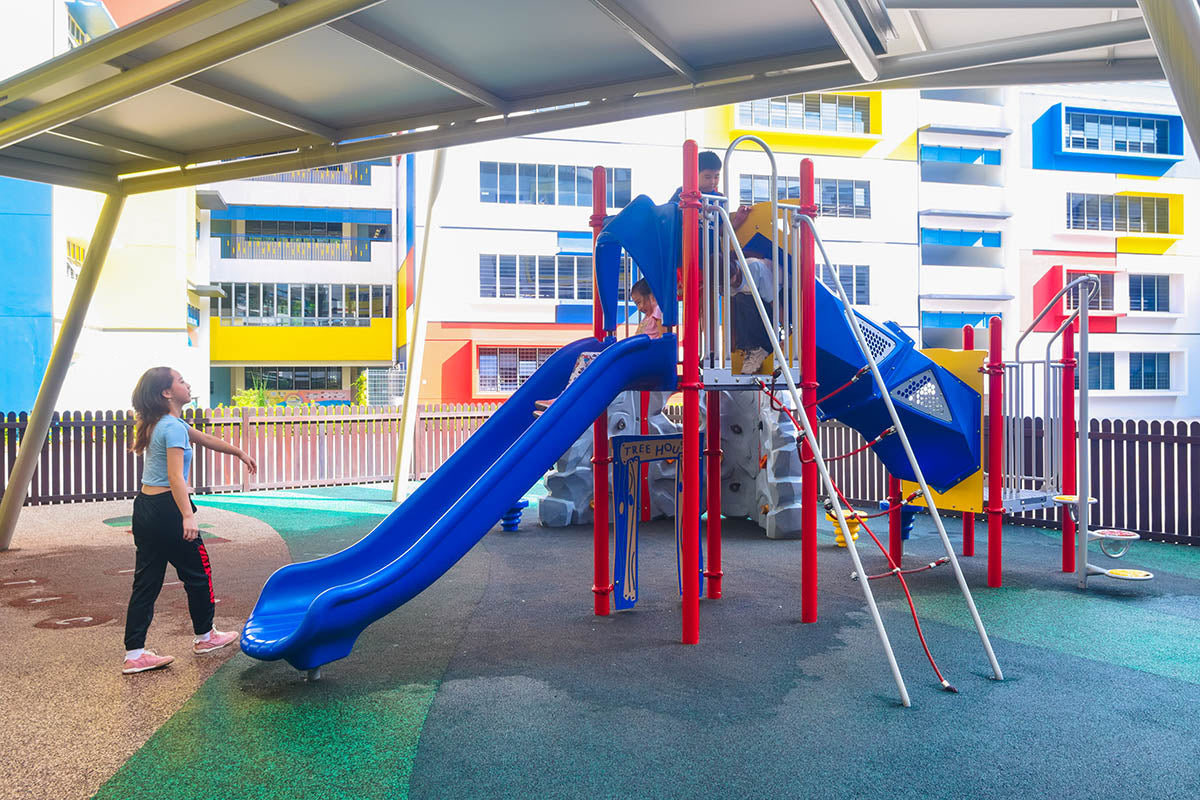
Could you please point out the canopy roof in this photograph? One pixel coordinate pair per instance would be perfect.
(209, 90)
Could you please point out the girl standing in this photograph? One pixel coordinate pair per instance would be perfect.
(164, 525)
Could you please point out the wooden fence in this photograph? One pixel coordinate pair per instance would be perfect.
(1143, 472)
(86, 454)
(1146, 474)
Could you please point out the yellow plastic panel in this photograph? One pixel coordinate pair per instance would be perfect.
(967, 495)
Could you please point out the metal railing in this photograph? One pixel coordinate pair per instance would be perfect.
(339, 174)
(294, 248)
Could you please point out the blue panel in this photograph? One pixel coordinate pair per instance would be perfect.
(958, 238)
(650, 234)
(367, 216)
(1049, 151)
(574, 243)
(311, 613)
(26, 305)
(573, 313)
(955, 319)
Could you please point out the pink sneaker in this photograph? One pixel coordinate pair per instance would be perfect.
(146, 661)
(215, 642)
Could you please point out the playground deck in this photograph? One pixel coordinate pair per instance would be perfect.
(498, 682)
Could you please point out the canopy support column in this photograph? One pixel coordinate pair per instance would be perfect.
(35, 432)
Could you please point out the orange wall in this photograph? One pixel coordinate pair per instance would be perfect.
(448, 369)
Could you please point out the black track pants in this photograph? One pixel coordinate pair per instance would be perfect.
(158, 534)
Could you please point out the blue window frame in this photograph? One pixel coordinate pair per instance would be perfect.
(1149, 371)
(960, 238)
(550, 184)
(960, 155)
(1150, 293)
(1115, 133)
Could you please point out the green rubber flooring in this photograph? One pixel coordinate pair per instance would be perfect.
(498, 681)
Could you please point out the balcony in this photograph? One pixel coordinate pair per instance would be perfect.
(959, 248)
(295, 248)
(358, 174)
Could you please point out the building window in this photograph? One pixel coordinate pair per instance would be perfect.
(1106, 212)
(1101, 372)
(504, 369)
(827, 113)
(855, 280)
(960, 238)
(844, 198)
(960, 155)
(1149, 371)
(298, 304)
(1150, 293)
(550, 184)
(526, 277)
(837, 197)
(294, 378)
(1115, 133)
(757, 188)
(1099, 301)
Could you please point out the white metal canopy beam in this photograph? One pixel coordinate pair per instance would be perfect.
(828, 78)
(204, 54)
(123, 40)
(849, 36)
(646, 38)
(47, 173)
(1175, 29)
(86, 135)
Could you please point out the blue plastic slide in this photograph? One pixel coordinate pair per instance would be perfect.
(940, 413)
(311, 613)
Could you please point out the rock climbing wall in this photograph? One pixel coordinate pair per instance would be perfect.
(760, 470)
(570, 483)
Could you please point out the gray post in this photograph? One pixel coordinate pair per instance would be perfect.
(56, 370)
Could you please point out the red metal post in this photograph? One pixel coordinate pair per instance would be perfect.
(995, 477)
(602, 584)
(644, 428)
(968, 544)
(895, 541)
(690, 527)
(1069, 478)
(712, 449)
(808, 396)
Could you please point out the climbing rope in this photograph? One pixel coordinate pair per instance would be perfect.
(895, 568)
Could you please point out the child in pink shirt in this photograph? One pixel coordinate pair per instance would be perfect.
(643, 298)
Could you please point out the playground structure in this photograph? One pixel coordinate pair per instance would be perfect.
(921, 419)
(311, 613)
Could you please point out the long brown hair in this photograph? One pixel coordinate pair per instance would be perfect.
(149, 405)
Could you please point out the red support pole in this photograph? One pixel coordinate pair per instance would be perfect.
(1069, 478)
(713, 477)
(995, 477)
(895, 540)
(968, 543)
(602, 584)
(808, 396)
(689, 201)
(644, 428)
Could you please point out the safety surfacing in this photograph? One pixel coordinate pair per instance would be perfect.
(499, 681)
